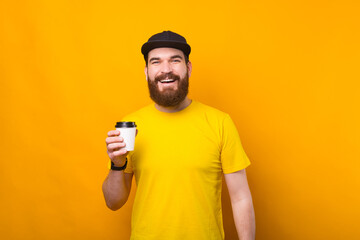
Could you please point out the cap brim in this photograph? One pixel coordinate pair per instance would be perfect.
(148, 46)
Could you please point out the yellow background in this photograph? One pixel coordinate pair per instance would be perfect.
(286, 71)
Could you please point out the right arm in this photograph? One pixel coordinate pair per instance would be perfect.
(117, 185)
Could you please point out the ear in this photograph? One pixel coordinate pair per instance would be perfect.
(189, 67)
(146, 71)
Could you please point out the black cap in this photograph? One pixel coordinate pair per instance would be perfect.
(166, 39)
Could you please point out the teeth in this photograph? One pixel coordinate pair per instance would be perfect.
(166, 80)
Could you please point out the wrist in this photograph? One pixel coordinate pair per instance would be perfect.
(118, 163)
(118, 166)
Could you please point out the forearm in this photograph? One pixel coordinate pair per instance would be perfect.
(244, 218)
(115, 190)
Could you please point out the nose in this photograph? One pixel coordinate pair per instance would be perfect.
(166, 67)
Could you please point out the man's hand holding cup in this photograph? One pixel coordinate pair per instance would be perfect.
(120, 141)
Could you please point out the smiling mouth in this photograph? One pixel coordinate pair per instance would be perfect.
(167, 80)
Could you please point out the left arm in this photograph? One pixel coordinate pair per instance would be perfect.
(242, 206)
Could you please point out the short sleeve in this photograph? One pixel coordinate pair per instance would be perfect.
(233, 156)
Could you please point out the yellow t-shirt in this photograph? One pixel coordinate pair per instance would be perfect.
(178, 162)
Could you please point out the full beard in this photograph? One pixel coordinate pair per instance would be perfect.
(169, 97)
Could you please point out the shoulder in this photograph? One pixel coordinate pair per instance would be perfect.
(211, 111)
(216, 119)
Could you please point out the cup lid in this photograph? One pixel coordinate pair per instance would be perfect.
(125, 125)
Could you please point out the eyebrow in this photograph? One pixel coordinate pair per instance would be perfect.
(154, 58)
(176, 56)
(172, 57)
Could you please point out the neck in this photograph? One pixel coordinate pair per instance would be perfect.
(186, 102)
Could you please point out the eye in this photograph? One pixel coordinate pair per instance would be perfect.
(176, 60)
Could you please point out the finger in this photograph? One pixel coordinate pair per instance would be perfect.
(114, 139)
(119, 153)
(113, 133)
(115, 146)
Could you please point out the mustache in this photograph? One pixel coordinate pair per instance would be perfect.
(167, 75)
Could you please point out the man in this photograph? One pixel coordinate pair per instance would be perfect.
(182, 149)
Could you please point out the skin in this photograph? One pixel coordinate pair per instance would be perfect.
(165, 60)
(117, 185)
(241, 203)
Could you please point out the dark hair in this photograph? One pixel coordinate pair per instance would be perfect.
(146, 59)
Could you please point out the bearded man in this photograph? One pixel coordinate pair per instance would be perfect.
(182, 150)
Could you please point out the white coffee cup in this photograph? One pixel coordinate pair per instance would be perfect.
(128, 133)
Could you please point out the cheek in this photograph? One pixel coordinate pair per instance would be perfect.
(150, 75)
(152, 72)
(183, 73)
